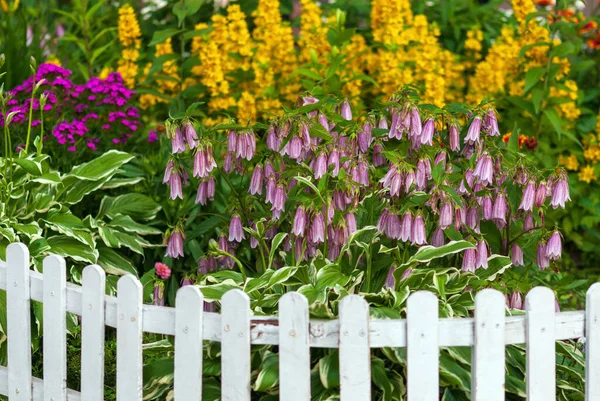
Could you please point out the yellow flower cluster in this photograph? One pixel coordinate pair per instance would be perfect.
(591, 154)
(570, 162)
(167, 86)
(129, 36)
(313, 33)
(567, 109)
(473, 44)
(6, 8)
(587, 174)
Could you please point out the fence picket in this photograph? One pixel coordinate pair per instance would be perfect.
(541, 368)
(129, 339)
(294, 348)
(55, 329)
(422, 347)
(18, 310)
(355, 354)
(488, 352)
(92, 333)
(188, 344)
(235, 347)
(592, 343)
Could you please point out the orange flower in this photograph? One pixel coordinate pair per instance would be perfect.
(544, 2)
(589, 26)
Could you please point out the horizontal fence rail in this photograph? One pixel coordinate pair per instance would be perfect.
(354, 333)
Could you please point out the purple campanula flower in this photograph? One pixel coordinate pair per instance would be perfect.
(409, 179)
(454, 138)
(271, 189)
(516, 300)
(228, 162)
(491, 123)
(482, 255)
(298, 248)
(378, 157)
(365, 137)
(189, 134)
(256, 182)
(469, 257)
(317, 229)
(175, 244)
(418, 231)
(437, 238)
(324, 123)
(206, 264)
(445, 219)
(320, 165)
(299, 222)
(440, 158)
(390, 281)
(202, 194)
(168, 171)
(474, 130)
(382, 221)
(421, 176)
(175, 186)
(406, 228)
(350, 222)
(210, 188)
(383, 124)
(561, 192)
(209, 307)
(484, 170)
(236, 232)
(459, 217)
(427, 132)
(528, 197)
(294, 147)
(540, 194)
(472, 219)
(487, 208)
(346, 112)
(528, 223)
(500, 211)
(554, 246)
(406, 273)
(416, 126)
(542, 260)
(516, 255)
(186, 281)
(204, 161)
(393, 227)
(177, 141)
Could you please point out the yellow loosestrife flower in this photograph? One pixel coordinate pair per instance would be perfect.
(129, 36)
(570, 162)
(587, 174)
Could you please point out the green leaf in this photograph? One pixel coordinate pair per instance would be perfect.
(161, 36)
(497, 264)
(113, 263)
(186, 8)
(68, 247)
(427, 253)
(30, 230)
(329, 370)
(50, 178)
(128, 224)
(74, 189)
(532, 77)
(268, 376)
(121, 182)
(563, 50)
(71, 226)
(309, 73)
(130, 242)
(216, 291)
(101, 167)
(513, 142)
(552, 117)
(277, 240)
(30, 166)
(135, 205)
(282, 275)
(307, 182)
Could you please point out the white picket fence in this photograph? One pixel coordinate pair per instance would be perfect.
(354, 333)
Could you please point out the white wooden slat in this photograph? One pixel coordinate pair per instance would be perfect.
(592, 343)
(129, 339)
(92, 333)
(541, 367)
(323, 333)
(294, 348)
(188, 344)
(18, 322)
(55, 329)
(422, 347)
(235, 346)
(355, 354)
(488, 352)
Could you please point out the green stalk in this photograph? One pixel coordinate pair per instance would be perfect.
(30, 115)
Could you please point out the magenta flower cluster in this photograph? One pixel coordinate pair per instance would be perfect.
(95, 115)
(427, 179)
